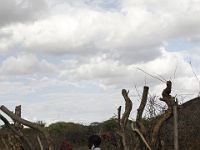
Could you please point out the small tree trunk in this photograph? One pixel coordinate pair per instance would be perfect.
(18, 113)
(176, 147)
(123, 122)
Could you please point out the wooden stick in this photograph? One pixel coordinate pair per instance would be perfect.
(141, 136)
(119, 115)
(29, 124)
(143, 103)
(176, 146)
(18, 133)
(128, 108)
(40, 143)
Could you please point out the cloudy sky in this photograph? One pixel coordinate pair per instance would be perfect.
(67, 60)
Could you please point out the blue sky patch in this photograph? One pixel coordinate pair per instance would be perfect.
(179, 44)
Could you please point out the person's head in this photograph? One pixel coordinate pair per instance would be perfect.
(94, 140)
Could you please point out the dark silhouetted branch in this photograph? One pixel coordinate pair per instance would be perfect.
(17, 132)
(119, 116)
(141, 136)
(128, 108)
(29, 124)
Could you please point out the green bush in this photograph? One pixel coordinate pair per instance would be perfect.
(71, 131)
(109, 125)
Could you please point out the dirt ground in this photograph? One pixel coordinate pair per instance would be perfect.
(80, 148)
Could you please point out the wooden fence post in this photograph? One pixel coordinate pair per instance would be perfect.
(175, 114)
(18, 113)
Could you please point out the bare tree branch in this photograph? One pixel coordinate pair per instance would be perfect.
(158, 125)
(153, 76)
(140, 110)
(119, 116)
(29, 124)
(122, 122)
(141, 136)
(166, 97)
(142, 104)
(175, 70)
(170, 101)
(195, 76)
(18, 133)
(40, 143)
(128, 108)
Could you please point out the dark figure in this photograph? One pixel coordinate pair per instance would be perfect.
(94, 142)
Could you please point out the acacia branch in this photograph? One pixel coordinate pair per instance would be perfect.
(158, 125)
(170, 101)
(141, 136)
(17, 132)
(123, 121)
(29, 124)
(166, 97)
(119, 115)
(143, 103)
(140, 110)
(128, 108)
(40, 143)
(153, 76)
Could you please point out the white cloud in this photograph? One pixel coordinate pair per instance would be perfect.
(8, 88)
(82, 53)
(25, 64)
(180, 17)
(62, 98)
(109, 72)
(72, 107)
(73, 33)
(13, 11)
(129, 34)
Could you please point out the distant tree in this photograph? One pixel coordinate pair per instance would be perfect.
(109, 125)
(75, 133)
